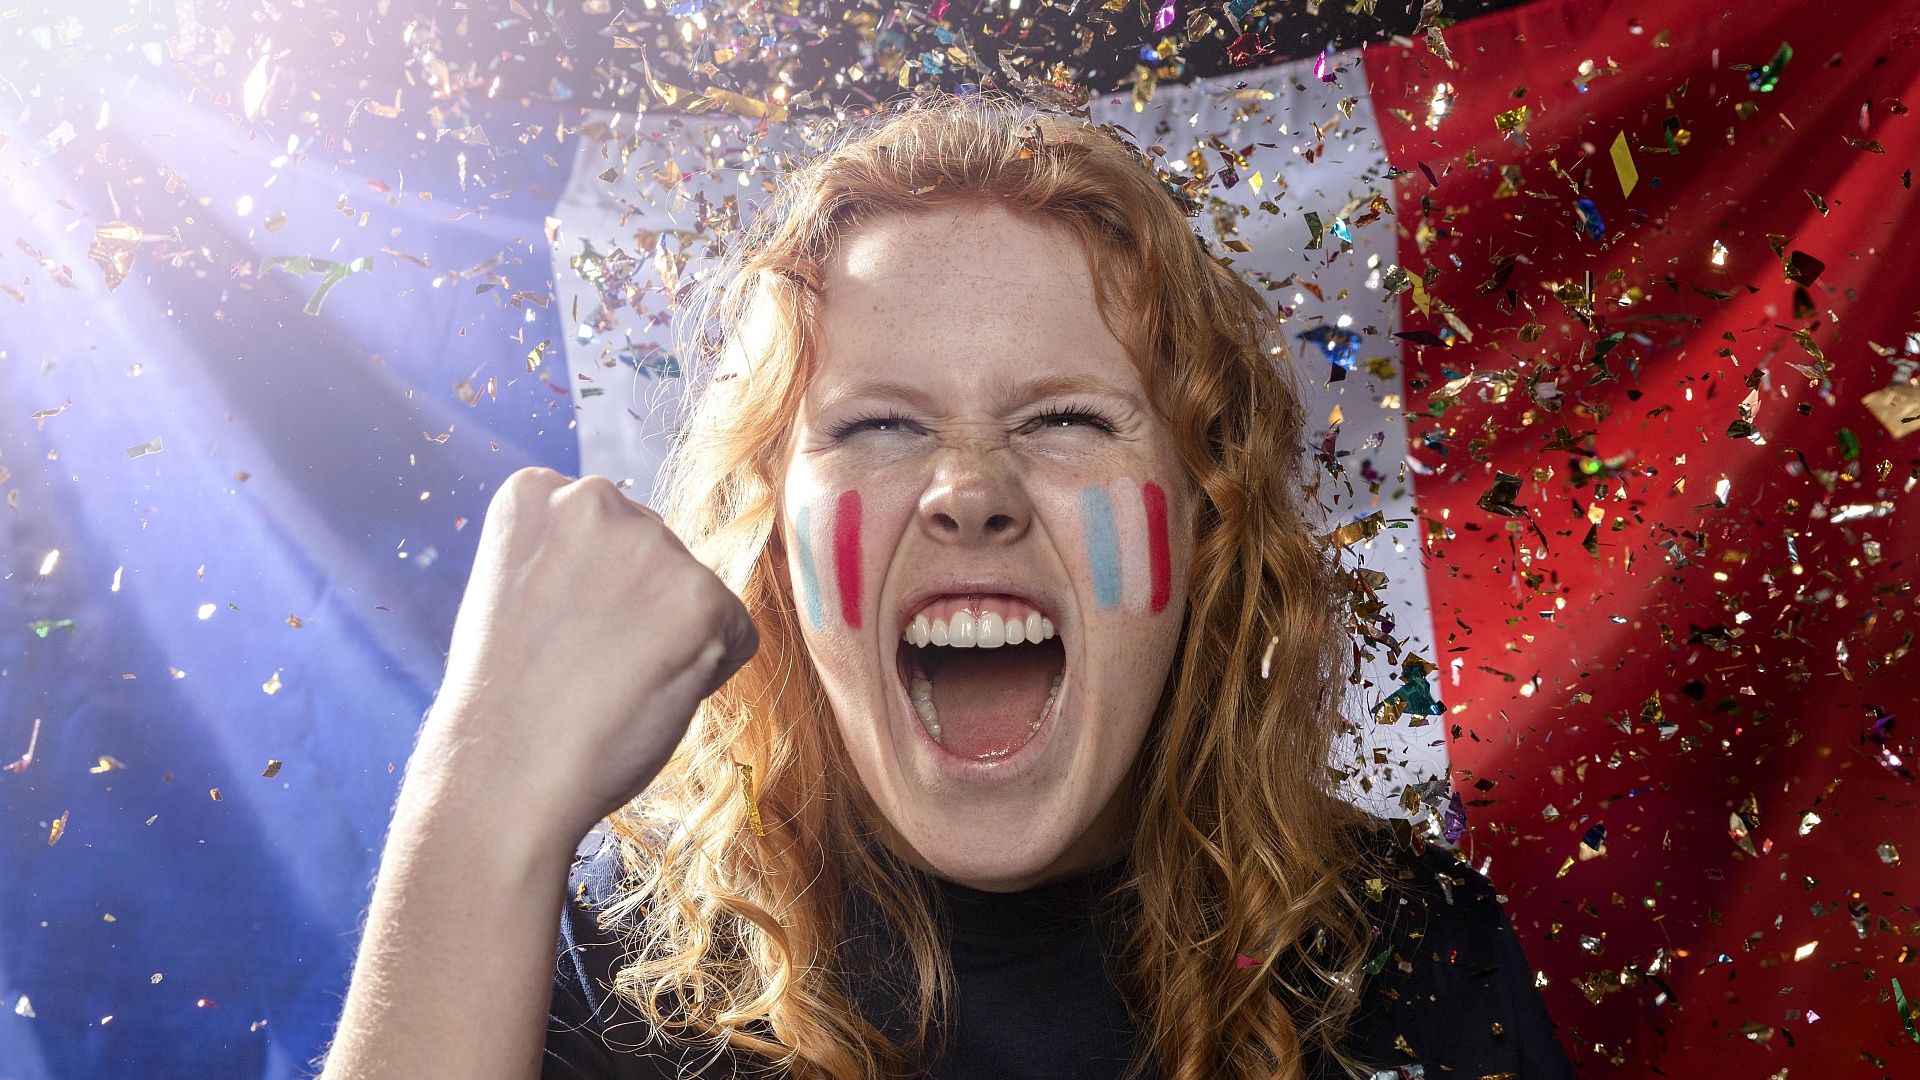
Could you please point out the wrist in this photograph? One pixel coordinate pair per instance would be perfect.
(467, 794)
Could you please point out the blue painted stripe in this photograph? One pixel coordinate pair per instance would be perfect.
(1103, 545)
(809, 578)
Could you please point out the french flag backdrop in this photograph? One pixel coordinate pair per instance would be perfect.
(1605, 309)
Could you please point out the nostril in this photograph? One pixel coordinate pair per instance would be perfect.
(946, 522)
(999, 523)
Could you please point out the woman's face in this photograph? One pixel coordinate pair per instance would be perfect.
(988, 533)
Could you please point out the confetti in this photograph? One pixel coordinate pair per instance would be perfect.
(331, 273)
(114, 245)
(1338, 345)
(58, 830)
(145, 448)
(1454, 822)
(1896, 406)
(1592, 226)
(1766, 77)
(19, 764)
(1623, 166)
(1512, 119)
(746, 796)
(1413, 697)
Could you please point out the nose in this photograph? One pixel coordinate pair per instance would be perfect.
(973, 500)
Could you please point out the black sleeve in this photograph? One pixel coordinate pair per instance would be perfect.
(1453, 991)
(591, 1033)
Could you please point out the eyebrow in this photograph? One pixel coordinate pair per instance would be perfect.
(1022, 390)
(879, 389)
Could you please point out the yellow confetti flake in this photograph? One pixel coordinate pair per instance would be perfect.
(1511, 119)
(746, 794)
(215, 792)
(1805, 951)
(272, 686)
(59, 828)
(1623, 164)
(273, 767)
(108, 763)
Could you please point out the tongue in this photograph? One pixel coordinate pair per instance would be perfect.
(988, 699)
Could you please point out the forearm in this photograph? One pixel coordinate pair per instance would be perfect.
(455, 969)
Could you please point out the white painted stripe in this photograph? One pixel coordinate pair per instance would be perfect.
(824, 513)
(1130, 525)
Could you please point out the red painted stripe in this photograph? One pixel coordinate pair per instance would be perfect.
(1159, 555)
(846, 556)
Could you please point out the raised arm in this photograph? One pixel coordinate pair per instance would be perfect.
(587, 637)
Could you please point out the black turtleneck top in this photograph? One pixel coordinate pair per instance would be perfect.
(1453, 995)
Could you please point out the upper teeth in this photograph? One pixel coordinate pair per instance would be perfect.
(988, 630)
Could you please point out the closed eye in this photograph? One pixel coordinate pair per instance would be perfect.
(889, 421)
(1069, 416)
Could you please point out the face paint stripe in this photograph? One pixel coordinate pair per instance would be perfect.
(1159, 552)
(1130, 526)
(1103, 546)
(821, 537)
(809, 577)
(846, 556)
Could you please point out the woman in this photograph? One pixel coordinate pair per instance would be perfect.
(1028, 775)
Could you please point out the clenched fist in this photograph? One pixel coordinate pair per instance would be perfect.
(588, 636)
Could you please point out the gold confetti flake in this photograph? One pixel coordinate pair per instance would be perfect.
(746, 794)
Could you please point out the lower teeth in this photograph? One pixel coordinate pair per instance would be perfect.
(920, 691)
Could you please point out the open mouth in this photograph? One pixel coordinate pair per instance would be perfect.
(983, 673)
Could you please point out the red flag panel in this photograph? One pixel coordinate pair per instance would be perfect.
(1659, 254)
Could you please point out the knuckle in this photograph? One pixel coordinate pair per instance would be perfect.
(525, 487)
(532, 480)
(597, 487)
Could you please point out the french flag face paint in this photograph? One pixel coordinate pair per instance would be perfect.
(827, 558)
(1128, 553)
